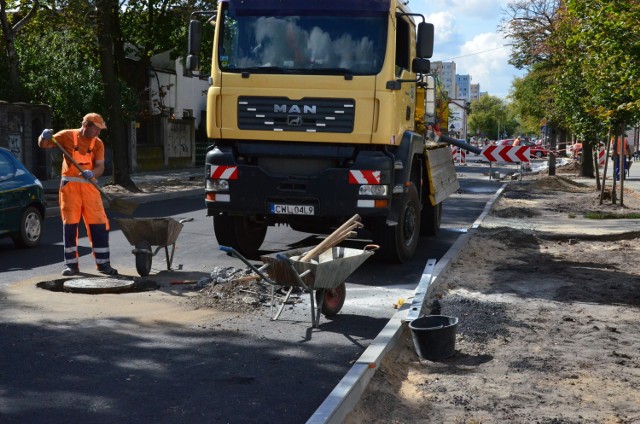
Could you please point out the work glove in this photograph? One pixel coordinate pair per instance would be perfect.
(47, 134)
(88, 174)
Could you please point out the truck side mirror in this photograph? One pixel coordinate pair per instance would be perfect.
(192, 63)
(195, 37)
(421, 66)
(424, 44)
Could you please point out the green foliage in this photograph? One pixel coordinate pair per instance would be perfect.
(59, 60)
(583, 65)
(490, 115)
(62, 75)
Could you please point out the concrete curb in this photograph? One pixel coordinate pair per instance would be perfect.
(346, 395)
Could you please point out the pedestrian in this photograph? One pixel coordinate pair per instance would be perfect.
(78, 196)
(620, 153)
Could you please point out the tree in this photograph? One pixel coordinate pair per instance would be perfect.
(489, 116)
(13, 90)
(530, 24)
(107, 26)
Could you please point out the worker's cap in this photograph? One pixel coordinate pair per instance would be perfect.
(95, 119)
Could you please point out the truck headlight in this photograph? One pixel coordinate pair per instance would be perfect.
(217, 185)
(373, 190)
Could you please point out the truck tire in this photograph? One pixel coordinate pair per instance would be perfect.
(431, 218)
(240, 232)
(398, 243)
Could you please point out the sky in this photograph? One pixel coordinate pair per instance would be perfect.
(466, 32)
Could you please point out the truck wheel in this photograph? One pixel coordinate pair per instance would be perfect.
(239, 232)
(431, 217)
(398, 243)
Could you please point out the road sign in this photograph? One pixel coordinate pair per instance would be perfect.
(507, 153)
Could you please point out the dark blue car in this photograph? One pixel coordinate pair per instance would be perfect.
(22, 202)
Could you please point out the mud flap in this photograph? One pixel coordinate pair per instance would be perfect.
(441, 173)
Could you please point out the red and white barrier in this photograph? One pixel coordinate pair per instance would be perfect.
(459, 155)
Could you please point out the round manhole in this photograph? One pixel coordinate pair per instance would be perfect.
(98, 285)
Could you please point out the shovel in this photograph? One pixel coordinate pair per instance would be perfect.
(117, 205)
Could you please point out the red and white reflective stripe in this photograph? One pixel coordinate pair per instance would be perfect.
(224, 172)
(459, 155)
(364, 177)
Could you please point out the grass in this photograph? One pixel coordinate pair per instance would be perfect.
(610, 215)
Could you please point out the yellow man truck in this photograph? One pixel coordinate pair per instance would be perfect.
(312, 111)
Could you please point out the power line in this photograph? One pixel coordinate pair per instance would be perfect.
(477, 53)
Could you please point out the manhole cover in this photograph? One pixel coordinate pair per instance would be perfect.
(98, 285)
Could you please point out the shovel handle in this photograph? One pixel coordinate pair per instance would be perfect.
(77, 165)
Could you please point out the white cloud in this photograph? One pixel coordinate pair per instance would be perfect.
(486, 59)
(466, 31)
(476, 9)
(445, 27)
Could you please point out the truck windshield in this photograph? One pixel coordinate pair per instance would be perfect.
(333, 45)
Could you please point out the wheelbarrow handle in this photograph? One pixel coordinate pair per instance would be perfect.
(283, 257)
(229, 250)
(233, 252)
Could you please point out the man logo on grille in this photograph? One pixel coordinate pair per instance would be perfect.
(294, 120)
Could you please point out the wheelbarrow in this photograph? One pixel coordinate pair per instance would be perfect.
(144, 233)
(323, 278)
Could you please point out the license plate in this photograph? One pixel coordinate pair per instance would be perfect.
(291, 209)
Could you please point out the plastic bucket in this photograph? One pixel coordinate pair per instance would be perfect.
(434, 336)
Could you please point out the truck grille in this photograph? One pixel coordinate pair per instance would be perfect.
(306, 115)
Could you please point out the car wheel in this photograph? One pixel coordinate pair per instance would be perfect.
(30, 230)
(539, 155)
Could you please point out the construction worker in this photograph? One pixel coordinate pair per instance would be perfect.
(78, 197)
(620, 147)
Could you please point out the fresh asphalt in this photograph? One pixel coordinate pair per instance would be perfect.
(202, 361)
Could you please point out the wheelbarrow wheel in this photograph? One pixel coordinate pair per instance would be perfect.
(143, 263)
(331, 299)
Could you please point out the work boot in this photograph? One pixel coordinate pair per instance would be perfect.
(106, 268)
(70, 270)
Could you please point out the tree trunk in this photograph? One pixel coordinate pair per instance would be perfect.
(586, 168)
(107, 18)
(553, 146)
(14, 90)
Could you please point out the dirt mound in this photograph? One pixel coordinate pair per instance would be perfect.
(570, 168)
(557, 183)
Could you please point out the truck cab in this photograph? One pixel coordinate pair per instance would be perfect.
(311, 113)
